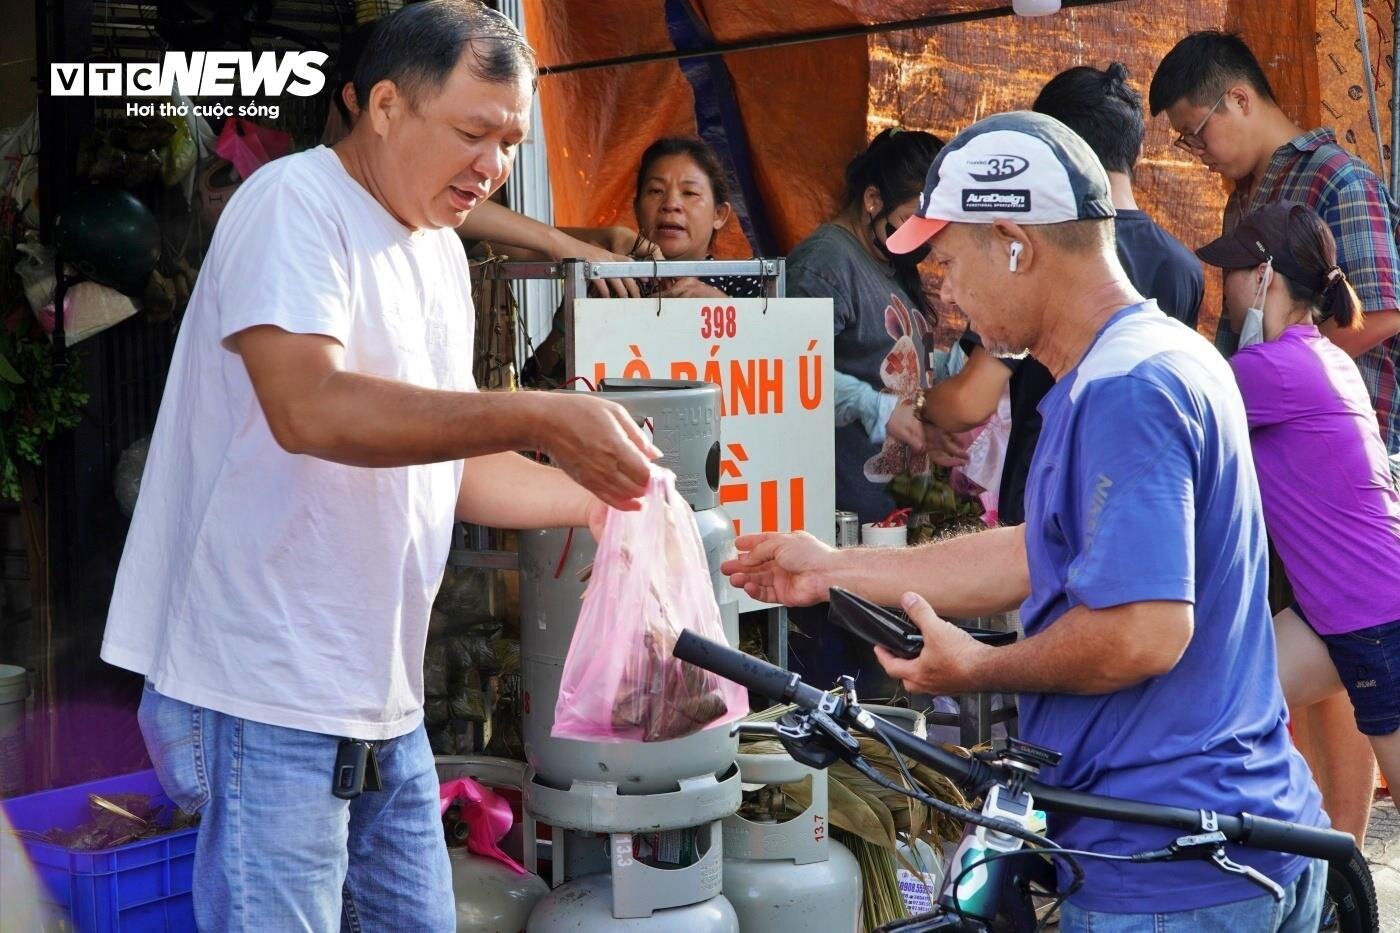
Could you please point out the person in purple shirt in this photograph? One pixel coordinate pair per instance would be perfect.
(1330, 505)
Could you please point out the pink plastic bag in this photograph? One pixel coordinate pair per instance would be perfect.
(650, 582)
(249, 146)
(488, 815)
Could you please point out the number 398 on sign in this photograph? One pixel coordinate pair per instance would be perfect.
(718, 321)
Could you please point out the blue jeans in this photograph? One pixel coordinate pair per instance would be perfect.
(276, 851)
(1300, 911)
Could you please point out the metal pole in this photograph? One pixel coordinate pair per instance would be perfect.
(801, 38)
(1365, 38)
(575, 287)
(1394, 106)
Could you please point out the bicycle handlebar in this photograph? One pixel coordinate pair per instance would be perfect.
(977, 776)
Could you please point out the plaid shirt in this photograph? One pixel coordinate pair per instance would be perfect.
(1315, 171)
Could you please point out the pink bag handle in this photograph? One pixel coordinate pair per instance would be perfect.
(487, 814)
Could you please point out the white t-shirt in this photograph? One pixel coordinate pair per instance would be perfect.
(274, 587)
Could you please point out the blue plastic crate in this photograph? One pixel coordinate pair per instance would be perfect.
(142, 887)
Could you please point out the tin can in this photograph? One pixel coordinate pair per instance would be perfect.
(847, 529)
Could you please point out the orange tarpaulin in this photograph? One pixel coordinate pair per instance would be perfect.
(805, 110)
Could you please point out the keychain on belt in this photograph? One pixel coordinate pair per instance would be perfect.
(356, 769)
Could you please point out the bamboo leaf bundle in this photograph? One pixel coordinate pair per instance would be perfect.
(871, 820)
(880, 902)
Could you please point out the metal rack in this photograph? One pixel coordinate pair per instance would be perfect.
(477, 546)
(574, 276)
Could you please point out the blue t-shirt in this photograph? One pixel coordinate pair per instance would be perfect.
(1142, 488)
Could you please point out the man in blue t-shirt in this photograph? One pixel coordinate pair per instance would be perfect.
(1149, 659)
(1106, 112)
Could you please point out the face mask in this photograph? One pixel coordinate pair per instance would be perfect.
(1252, 331)
(902, 260)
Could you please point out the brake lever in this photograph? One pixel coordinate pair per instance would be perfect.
(769, 729)
(815, 739)
(1210, 846)
(1230, 866)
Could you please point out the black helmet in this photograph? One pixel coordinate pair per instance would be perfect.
(110, 237)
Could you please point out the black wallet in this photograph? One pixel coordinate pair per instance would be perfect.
(893, 630)
(875, 624)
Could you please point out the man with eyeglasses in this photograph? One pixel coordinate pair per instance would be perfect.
(1218, 99)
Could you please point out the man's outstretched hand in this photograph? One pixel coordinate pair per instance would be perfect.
(791, 569)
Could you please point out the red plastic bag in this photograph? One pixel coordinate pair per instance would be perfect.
(650, 582)
(249, 146)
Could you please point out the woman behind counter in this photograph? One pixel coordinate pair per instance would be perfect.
(880, 321)
(879, 315)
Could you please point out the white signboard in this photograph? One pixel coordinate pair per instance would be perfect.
(771, 358)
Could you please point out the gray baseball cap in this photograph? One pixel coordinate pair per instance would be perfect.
(1019, 166)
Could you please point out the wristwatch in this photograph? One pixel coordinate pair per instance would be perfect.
(919, 399)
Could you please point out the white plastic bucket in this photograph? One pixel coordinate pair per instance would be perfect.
(871, 536)
(14, 689)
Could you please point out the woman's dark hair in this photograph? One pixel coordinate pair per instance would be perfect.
(418, 46)
(1203, 66)
(895, 163)
(1102, 108)
(698, 151)
(1314, 252)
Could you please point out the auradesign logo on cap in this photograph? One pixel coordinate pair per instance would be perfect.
(997, 167)
(1016, 200)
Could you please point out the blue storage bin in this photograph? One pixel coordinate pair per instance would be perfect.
(141, 887)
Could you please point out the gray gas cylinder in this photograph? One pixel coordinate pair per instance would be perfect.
(789, 877)
(684, 421)
(685, 424)
(584, 906)
(491, 897)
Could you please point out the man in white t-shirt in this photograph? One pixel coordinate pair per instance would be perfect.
(319, 435)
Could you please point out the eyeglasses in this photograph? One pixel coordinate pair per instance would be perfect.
(1193, 142)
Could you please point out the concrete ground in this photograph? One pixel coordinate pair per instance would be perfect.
(1383, 852)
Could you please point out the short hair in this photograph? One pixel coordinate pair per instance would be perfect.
(1201, 67)
(418, 46)
(698, 151)
(1080, 237)
(1101, 108)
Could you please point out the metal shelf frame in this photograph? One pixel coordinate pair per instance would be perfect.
(574, 276)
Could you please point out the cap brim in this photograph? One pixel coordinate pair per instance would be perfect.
(1227, 252)
(913, 233)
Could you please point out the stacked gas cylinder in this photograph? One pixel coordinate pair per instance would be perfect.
(636, 831)
(635, 840)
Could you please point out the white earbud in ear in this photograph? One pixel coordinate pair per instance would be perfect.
(1015, 255)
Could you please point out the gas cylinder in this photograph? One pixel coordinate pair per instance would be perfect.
(492, 898)
(789, 876)
(585, 906)
(685, 423)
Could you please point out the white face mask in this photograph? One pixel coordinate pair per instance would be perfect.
(1252, 331)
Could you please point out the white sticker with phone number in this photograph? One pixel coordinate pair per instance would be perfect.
(919, 891)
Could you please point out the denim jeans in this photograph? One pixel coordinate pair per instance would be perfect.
(1300, 911)
(276, 851)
